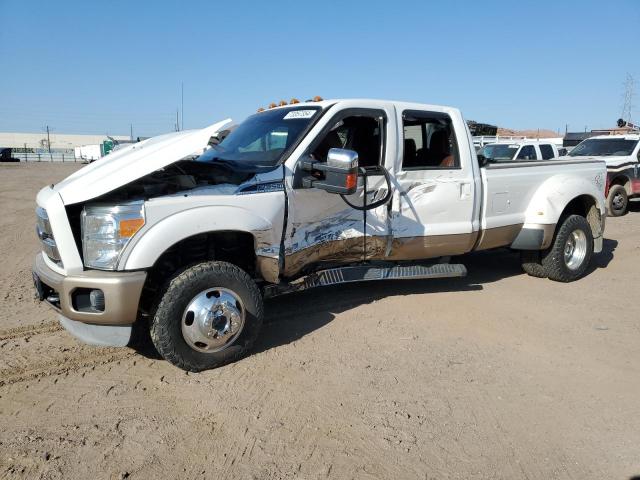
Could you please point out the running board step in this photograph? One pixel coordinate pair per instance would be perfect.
(363, 273)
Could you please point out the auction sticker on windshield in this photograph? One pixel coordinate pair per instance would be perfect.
(296, 114)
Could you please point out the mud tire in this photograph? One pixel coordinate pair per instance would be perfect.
(532, 263)
(617, 210)
(553, 260)
(165, 328)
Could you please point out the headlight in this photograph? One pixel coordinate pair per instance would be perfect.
(107, 230)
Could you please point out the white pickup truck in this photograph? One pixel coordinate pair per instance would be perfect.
(509, 150)
(187, 234)
(622, 155)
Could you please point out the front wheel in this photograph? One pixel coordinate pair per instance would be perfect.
(210, 315)
(571, 252)
(617, 201)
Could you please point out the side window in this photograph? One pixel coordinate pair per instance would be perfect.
(547, 152)
(429, 141)
(360, 133)
(528, 152)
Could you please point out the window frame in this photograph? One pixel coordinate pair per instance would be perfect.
(375, 113)
(426, 115)
(553, 153)
(526, 159)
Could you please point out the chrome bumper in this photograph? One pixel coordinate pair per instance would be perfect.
(121, 290)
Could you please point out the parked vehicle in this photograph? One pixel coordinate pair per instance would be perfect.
(6, 155)
(507, 151)
(622, 155)
(190, 235)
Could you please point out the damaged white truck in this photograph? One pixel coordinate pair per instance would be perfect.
(187, 233)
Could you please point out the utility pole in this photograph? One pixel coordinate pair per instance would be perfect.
(177, 121)
(131, 132)
(49, 144)
(627, 98)
(182, 103)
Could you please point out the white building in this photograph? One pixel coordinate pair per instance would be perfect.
(59, 141)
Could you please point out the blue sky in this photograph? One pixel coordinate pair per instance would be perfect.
(84, 68)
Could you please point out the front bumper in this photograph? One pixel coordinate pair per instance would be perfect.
(121, 291)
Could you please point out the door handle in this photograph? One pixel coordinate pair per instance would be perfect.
(465, 190)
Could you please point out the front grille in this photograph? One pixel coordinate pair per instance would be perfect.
(45, 234)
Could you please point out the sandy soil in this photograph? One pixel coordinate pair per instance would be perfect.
(498, 375)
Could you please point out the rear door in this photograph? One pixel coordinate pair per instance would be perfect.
(434, 206)
(527, 152)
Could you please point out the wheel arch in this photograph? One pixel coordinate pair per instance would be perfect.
(201, 224)
(559, 197)
(620, 179)
(562, 193)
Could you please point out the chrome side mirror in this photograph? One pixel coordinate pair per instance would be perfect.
(339, 174)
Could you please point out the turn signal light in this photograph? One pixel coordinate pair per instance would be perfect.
(317, 98)
(130, 226)
(293, 101)
(272, 105)
(351, 181)
(282, 103)
(260, 110)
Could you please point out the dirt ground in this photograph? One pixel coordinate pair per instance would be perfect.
(497, 375)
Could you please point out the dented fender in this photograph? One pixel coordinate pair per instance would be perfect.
(163, 234)
(553, 196)
(551, 199)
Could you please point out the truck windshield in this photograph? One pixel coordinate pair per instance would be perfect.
(604, 147)
(260, 142)
(497, 152)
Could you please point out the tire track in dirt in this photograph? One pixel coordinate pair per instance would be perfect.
(18, 332)
(72, 364)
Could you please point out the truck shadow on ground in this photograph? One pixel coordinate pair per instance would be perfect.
(291, 317)
(634, 206)
(602, 259)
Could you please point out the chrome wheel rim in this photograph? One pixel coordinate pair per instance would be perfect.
(575, 249)
(213, 320)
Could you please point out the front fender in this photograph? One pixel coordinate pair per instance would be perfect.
(144, 250)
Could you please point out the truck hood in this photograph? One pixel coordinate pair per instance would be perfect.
(611, 161)
(135, 161)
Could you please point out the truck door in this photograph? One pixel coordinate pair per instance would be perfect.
(321, 226)
(435, 207)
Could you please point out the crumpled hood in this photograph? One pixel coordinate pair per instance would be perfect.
(133, 162)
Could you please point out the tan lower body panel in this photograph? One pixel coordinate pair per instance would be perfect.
(416, 248)
(121, 290)
(339, 251)
(498, 237)
(405, 248)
